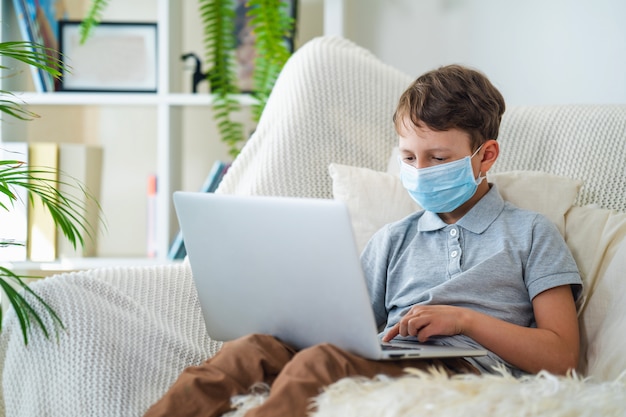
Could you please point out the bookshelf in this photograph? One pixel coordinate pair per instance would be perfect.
(167, 121)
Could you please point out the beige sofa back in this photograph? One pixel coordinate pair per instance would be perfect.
(585, 142)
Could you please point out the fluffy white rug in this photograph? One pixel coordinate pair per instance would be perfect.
(433, 393)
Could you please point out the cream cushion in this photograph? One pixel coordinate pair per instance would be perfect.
(597, 239)
(376, 198)
(373, 199)
(605, 349)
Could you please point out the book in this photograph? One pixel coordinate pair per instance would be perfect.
(83, 164)
(42, 232)
(38, 75)
(14, 217)
(39, 21)
(212, 181)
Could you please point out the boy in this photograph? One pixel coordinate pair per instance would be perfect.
(470, 269)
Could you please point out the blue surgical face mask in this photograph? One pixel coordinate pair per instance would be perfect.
(441, 188)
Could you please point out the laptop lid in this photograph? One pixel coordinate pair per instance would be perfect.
(288, 267)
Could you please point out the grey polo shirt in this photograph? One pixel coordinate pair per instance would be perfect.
(494, 260)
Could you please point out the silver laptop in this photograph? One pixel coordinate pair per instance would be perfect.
(288, 267)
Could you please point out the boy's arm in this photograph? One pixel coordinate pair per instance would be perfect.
(553, 345)
(374, 261)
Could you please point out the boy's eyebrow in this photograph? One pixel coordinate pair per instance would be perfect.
(440, 149)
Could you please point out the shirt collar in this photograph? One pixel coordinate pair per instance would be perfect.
(477, 220)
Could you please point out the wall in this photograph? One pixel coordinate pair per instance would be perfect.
(535, 51)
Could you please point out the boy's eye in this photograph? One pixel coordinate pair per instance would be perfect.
(439, 159)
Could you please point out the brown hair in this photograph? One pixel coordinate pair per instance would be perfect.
(450, 97)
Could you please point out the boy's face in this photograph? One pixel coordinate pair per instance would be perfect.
(422, 147)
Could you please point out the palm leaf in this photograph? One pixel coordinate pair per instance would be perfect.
(24, 311)
(10, 104)
(31, 54)
(66, 211)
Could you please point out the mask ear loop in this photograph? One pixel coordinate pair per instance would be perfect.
(476, 151)
(478, 179)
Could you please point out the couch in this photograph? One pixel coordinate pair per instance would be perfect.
(326, 132)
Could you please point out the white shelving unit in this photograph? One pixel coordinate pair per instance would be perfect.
(122, 99)
(334, 17)
(168, 102)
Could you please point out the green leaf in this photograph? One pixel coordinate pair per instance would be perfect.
(272, 27)
(92, 19)
(31, 54)
(218, 17)
(67, 213)
(25, 312)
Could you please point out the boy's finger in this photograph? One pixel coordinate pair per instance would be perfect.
(393, 332)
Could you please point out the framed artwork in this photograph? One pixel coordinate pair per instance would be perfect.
(118, 57)
(245, 52)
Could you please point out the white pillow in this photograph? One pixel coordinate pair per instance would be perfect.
(373, 198)
(548, 194)
(376, 198)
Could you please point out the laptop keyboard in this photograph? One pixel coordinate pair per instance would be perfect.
(393, 347)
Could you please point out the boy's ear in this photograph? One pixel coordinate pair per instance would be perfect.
(490, 152)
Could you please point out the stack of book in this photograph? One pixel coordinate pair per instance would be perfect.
(30, 225)
(38, 21)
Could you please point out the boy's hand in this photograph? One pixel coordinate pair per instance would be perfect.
(427, 321)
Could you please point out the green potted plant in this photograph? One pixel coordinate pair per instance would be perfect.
(66, 211)
(272, 27)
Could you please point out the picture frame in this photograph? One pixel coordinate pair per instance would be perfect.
(244, 50)
(117, 57)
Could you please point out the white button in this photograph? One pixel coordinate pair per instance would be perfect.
(454, 254)
(453, 232)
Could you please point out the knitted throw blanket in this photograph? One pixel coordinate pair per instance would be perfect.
(129, 333)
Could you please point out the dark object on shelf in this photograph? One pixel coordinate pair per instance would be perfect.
(197, 76)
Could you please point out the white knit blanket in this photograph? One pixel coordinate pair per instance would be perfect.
(129, 333)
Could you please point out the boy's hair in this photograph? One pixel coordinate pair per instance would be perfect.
(450, 97)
